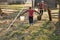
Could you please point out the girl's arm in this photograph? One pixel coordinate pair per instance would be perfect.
(36, 11)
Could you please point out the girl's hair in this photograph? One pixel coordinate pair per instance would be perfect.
(30, 7)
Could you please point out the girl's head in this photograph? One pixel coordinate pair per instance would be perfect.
(30, 7)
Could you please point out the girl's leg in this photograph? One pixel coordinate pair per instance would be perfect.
(41, 12)
(30, 20)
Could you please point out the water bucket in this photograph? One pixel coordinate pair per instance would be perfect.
(22, 18)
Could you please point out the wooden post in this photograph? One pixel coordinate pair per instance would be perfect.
(32, 3)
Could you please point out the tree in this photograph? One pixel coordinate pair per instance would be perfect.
(59, 10)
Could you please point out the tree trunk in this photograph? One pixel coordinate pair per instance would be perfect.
(59, 13)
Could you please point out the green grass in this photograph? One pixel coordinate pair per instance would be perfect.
(46, 32)
(42, 34)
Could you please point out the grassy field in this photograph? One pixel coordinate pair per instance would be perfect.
(19, 31)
